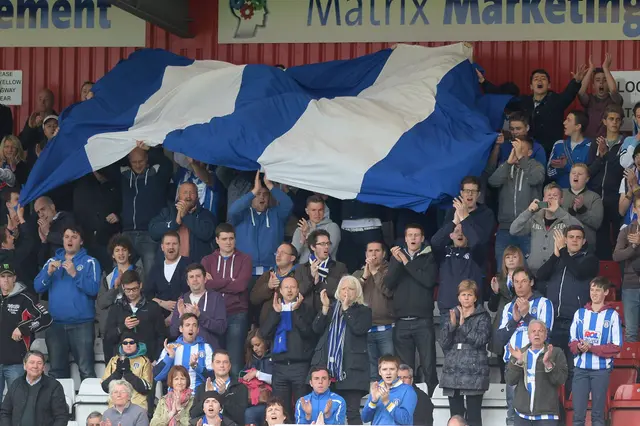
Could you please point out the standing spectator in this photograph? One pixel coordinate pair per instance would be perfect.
(423, 415)
(174, 408)
(629, 188)
(72, 280)
(361, 223)
(583, 204)
(229, 272)
(390, 402)
(17, 242)
(573, 150)
(321, 401)
(130, 364)
(540, 221)
(35, 398)
(190, 220)
(21, 316)
(596, 337)
(33, 132)
(203, 176)
(317, 220)
(260, 229)
(380, 299)
(123, 412)
(207, 305)
(6, 121)
(518, 130)
(321, 272)
(144, 188)
(604, 94)
(85, 91)
(627, 250)
(13, 158)
(537, 370)
(520, 179)
(136, 314)
(606, 174)
(412, 277)
(631, 142)
(257, 376)
(51, 226)
(343, 326)
(288, 328)
(464, 336)
(269, 282)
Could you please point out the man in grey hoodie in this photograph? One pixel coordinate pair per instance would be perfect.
(317, 220)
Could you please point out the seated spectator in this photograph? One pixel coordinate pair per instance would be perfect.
(630, 188)
(257, 376)
(380, 299)
(540, 220)
(136, 314)
(17, 243)
(288, 330)
(275, 413)
(35, 398)
(33, 131)
(94, 419)
(457, 421)
(518, 126)
(232, 394)
(207, 305)
(631, 142)
(130, 364)
(627, 250)
(51, 227)
(123, 412)
(21, 316)
(269, 282)
(423, 414)
(72, 280)
(464, 336)
(321, 272)
(583, 204)
(168, 280)
(321, 401)
(519, 180)
(190, 220)
(317, 220)
(343, 326)
(537, 370)
(596, 338)
(13, 158)
(229, 273)
(212, 407)
(110, 292)
(573, 150)
(189, 350)
(390, 402)
(174, 407)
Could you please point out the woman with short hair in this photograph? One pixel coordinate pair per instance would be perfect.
(173, 408)
(123, 412)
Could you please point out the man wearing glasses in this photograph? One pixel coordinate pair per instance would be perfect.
(423, 415)
(136, 314)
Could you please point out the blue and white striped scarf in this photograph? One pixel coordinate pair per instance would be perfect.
(336, 343)
(323, 267)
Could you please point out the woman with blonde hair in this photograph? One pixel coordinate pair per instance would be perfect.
(342, 349)
(173, 408)
(13, 159)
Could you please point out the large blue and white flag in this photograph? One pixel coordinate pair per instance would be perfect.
(399, 128)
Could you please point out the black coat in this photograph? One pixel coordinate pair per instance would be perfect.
(54, 239)
(235, 401)
(6, 121)
(300, 340)
(51, 407)
(355, 358)
(93, 201)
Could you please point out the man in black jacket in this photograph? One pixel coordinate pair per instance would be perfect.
(288, 329)
(135, 313)
(423, 415)
(51, 227)
(6, 121)
(412, 277)
(234, 395)
(17, 248)
(35, 398)
(21, 316)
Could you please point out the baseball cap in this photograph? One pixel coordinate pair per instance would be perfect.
(6, 268)
(49, 117)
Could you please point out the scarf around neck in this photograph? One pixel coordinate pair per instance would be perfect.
(323, 267)
(185, 396)
(285, 325)
(336, 342)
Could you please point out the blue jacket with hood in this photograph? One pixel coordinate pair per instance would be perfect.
(579, 154)
(259, 235)
(71, 299)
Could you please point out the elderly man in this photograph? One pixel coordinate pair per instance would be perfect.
(94, 419)
(51, 226)
(123, 412)
(537, 370)
(34, 399)
(423, 414)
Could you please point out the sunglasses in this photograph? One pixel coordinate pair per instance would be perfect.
(129, 342)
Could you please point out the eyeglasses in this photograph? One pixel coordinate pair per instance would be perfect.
(282, 253)
(131, 290)
(128, 342)
(469, 191)
(324, 244)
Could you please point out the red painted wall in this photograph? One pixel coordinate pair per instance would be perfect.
(64, 69)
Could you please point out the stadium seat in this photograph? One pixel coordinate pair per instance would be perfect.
(611, 270)
(619, 309)
(72, 424)
(98, 351)
(39, 345)
(90, 398)
(629, 356)
(612, 296)
(625, 407)
(69, 392)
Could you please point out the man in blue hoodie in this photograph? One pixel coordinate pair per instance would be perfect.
(572, 150)
(321, 400)
(72, 279)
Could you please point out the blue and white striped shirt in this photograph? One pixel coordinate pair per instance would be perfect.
(596, 328)
(530, 383)
(540, 308)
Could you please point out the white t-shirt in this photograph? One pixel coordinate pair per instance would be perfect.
(169, 270)
(195, 299)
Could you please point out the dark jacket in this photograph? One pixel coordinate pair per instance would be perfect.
(311, 291)
(144, 195)
(466, 363)
(6, 121)
(54, 239)
(480, 225)
(234, 401)
(496, 304)
(565, 280)
(546, 399)
(355, 358)
(625, 252)
(412, 285)
(92, 203)
(20, 310)
(212, 322)
(23, 256)
(201, 225)
(107, 296)
(457, 263)
(151, 330)
(605, 172)
(423, 415)
(301, 339)
(157, 285)
(261, 295)
(51, 407)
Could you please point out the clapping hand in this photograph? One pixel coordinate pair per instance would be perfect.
(277, 306)
(547, 357)
(516, 353)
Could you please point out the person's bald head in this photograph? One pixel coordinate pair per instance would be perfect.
(44, 102)
(289, 289)
(457, 421)
(138, 160)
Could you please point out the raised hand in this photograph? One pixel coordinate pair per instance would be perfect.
(324, 298)
(547, 356)
(257, 184)
(516, 353)
(580, 73)
(298, 302)
(274, 282)
(495, 285)
(306, 407)
(277, 306)
(452, 317)
(374, 392)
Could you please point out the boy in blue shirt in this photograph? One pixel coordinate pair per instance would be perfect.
(321, 400)
(574, 149)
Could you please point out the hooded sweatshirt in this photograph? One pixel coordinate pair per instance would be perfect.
(630, 255)
(579, 154)
(230, 277)
(590, 214)
(602, 330)
(337, 416)
(328, 225)
(606, 172)
(183, 352)
(71, 299)
(212, 322)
